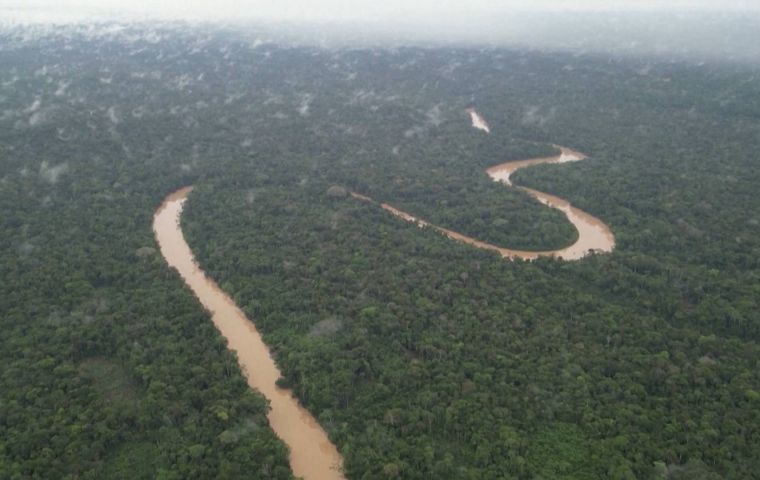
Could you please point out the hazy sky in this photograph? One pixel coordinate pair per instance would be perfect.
(331, 10)
(700, 29)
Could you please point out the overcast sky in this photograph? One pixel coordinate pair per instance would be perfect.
(333, 10)
(699, 29)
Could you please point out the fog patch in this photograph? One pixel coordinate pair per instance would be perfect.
(303, 108)
(537, 116)
(34, 106)
(233, 435)
(52, 174)
(371, 98)
(11, 82)
(112, 115)
(26, 248)
(62, 135)
(272, 98)
(414, 131)
(434, 115)
(233, 98)
(326, 328)
(145, 252)
(181, 82)
(37, 118)
(62, 86)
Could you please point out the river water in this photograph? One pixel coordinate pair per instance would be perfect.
(593, 234)
(312, 455)
(478, 121)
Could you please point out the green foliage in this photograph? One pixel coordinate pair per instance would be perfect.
(421, 357)
(452, 363)
(561, 451)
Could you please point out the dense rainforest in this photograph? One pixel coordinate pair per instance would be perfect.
(421, 357)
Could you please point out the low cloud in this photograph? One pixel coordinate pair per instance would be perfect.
(51, 174)
(686, 28)
(335, 10)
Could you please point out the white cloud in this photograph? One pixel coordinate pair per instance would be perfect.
(327, 10)
(52, 174)
(112, 115)
(686, 28)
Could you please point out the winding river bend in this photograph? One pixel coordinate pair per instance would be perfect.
(593, 234)
(312, 455)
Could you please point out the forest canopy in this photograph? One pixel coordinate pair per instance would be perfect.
(421, 357)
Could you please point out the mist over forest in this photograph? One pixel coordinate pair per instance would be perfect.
(323, 175)
(690, 30)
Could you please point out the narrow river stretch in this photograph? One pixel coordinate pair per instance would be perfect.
(593, 234)
(312, 455)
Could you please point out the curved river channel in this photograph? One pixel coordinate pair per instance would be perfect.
(593, 234)
(312, 455)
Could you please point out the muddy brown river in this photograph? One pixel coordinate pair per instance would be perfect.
(312, 455)
(593, 234)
